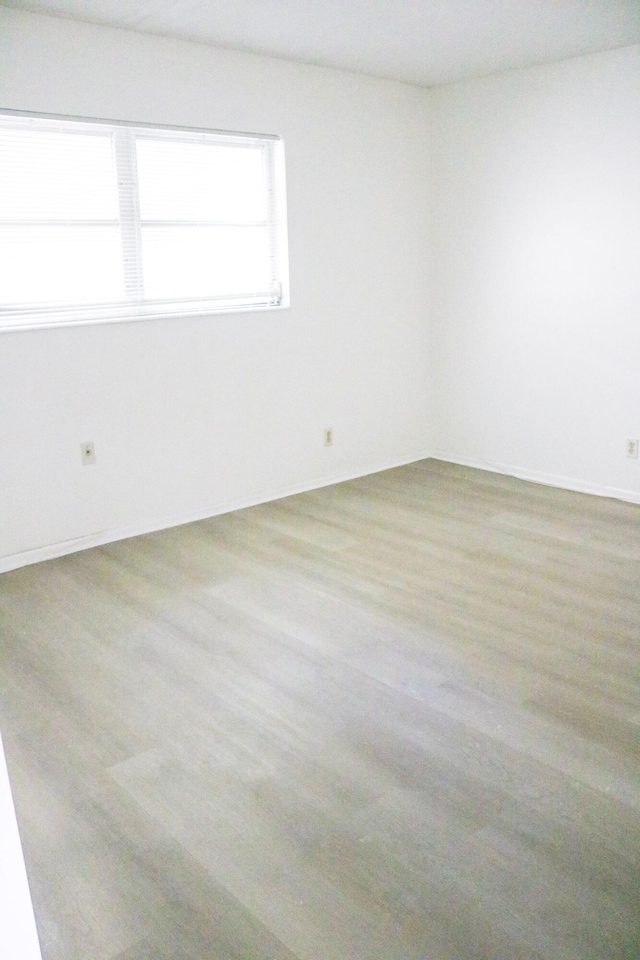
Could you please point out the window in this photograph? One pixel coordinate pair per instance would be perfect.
(102, 221)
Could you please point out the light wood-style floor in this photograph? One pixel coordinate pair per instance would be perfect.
(394, 719)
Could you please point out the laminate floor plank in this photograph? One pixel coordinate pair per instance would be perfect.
(394, 719)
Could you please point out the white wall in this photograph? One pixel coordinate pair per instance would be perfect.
(191, 417)
(18, 936)
(537, 312)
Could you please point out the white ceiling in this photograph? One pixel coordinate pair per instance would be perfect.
(426, 42)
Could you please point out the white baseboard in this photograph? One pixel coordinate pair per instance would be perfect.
(100, 537)
(547, 479)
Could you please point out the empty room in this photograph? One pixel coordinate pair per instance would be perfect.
(319, 480)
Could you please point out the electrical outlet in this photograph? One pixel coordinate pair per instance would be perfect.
(88, 453)
(632, 449)
(328, 437)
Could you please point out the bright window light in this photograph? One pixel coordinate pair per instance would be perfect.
(102, 221)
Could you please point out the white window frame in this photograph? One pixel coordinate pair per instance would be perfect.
(124, 136)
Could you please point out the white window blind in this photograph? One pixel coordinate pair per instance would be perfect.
(103, 221)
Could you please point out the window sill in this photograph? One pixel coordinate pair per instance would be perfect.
(52, 322)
